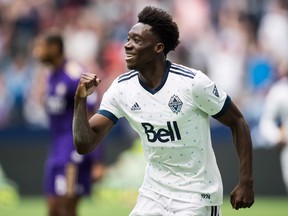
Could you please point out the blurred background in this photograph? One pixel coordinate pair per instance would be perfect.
(241, 45)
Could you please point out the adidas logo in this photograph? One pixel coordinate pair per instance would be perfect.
(136, 107)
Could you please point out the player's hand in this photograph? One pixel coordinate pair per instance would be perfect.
(87, 85)
(242, 196)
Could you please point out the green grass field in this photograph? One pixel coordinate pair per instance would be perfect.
(35, 206)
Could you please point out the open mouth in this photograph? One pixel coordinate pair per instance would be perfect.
(129, 56)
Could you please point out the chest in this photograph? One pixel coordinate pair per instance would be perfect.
(168, 115)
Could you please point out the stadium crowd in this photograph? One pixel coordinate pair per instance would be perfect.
(241, 45)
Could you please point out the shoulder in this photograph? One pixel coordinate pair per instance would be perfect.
(127, 76)
(183, 71)
(73, 69)
(122, 83)
(196, 77)
(123, 80)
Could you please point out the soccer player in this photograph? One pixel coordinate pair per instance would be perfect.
(274, 120)
(169, 106)
(67, 173)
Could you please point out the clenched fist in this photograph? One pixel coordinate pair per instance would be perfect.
(87, 85)
(242, 196)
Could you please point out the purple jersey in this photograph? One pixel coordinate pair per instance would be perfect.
(62, 84)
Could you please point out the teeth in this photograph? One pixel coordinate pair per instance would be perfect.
(129, 55)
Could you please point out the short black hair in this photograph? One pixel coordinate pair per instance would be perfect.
(55, 38)
(162, 25)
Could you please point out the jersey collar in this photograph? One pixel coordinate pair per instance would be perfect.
(163, 81)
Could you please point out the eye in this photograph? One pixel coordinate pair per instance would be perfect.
(137, 40)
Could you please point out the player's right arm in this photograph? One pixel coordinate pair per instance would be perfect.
(87, 134)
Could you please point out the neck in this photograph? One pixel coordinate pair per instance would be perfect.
(58, 62)
(152, 75)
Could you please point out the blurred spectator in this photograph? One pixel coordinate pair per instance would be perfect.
(24, 18)
(34, 107)
(275, 41)
(17, 79)
(226, 57)
(259, 68)
(194, 23)
(82, 38)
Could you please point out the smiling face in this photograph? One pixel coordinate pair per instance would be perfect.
(142, 47)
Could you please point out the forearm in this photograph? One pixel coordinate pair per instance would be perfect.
(83, 135)
(243, 143)
(242, 196)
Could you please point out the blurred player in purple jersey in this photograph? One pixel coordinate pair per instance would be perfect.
(68, 175)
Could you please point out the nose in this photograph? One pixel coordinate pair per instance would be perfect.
(127, 45)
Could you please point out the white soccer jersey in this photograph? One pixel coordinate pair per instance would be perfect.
(173, 123)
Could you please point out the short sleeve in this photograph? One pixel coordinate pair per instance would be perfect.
(109, 106)
(208, 96)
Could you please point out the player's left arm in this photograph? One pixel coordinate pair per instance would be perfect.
(242, 196)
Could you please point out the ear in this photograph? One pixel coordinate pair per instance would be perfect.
(159, 48)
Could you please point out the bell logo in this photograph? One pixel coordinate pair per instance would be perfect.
(171, 133)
